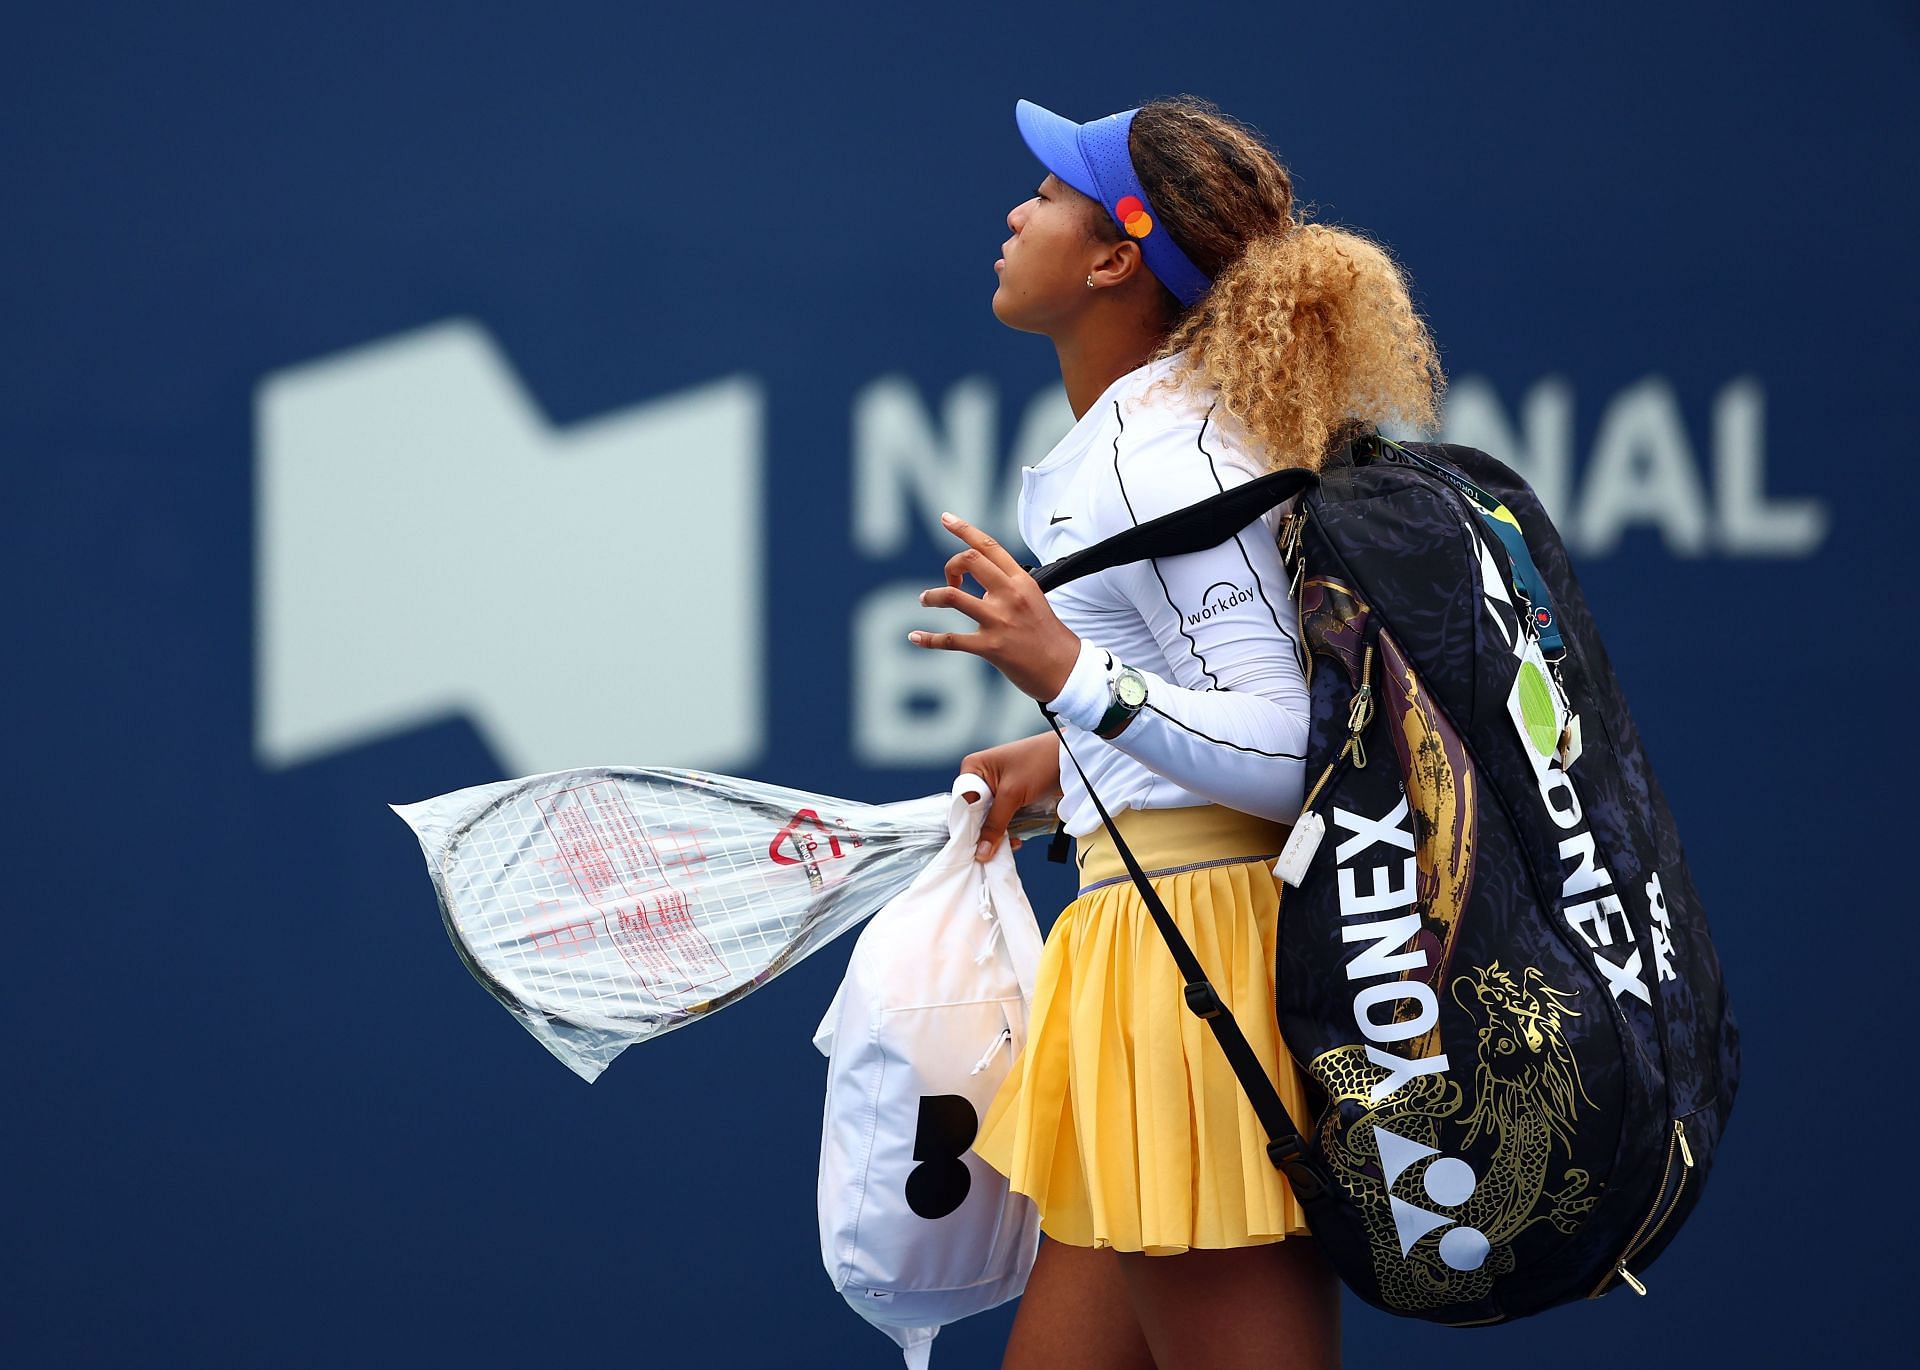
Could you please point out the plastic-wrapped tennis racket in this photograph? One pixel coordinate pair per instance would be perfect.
(608, 905)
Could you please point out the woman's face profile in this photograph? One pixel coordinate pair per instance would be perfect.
(1044, 266)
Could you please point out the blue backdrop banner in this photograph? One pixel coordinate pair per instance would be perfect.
(396, 398)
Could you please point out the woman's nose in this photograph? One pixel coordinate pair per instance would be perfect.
(1016, 216)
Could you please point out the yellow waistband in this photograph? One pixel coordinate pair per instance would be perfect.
(1168, 841)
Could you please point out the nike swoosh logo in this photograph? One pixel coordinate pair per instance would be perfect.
(1058, 518)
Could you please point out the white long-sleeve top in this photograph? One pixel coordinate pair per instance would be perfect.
(1214, 632)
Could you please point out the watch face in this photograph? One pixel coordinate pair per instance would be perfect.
(1132, 689)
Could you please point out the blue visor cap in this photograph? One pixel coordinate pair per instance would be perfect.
(1093, 159)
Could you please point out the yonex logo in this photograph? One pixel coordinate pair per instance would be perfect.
(1592, 917)
(1662, 927)
(1381, 917)
(1448, 1182)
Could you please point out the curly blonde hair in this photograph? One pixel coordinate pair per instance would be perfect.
(1309, 334)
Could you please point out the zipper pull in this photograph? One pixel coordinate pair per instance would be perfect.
(1632, 1283)
(1680, 1135)
(1290, 528)
(1359, 714)
(1291, 560)
(1360, 711)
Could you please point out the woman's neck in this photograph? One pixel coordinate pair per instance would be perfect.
(1093, 359)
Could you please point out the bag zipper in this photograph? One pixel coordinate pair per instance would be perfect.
(1309, 828)
(1359, 715)
(1663, 1208)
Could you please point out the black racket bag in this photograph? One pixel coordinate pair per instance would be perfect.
(1493, 962)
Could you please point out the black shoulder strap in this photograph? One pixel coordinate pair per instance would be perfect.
(1193, 529)
(1286, 1146)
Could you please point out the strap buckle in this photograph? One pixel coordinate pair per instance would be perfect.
(1286, 1150)
(1204, 1001)
(1289, 1158)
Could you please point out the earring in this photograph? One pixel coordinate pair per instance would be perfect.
(1089, 280)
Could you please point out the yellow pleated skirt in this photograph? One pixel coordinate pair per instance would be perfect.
(1121, 1119)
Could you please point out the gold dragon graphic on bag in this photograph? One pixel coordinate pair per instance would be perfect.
(1439, 1232)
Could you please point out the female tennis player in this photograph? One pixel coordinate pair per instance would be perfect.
(1205, 336)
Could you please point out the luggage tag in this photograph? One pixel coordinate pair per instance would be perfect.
(1539, 711)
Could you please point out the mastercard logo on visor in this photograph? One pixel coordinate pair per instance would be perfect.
(1133, 216)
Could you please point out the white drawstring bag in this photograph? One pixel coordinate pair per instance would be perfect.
(915, 1230)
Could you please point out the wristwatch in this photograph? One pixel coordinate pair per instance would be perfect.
(1127, 695)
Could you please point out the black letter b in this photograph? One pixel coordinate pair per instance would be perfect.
(947, 1126)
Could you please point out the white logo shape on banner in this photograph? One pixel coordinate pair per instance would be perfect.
(427, 545)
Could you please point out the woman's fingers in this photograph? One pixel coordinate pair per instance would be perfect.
(950, 598)
(947, 642)
(1006, 803)
(973, 562)
(1019, 633)
(993, 556)
(946, 597)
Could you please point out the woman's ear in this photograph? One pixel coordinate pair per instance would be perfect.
(1116, 263)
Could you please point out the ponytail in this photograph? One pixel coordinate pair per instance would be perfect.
(1308, 334)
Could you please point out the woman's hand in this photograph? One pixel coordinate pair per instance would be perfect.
(1019, 773)
(1019, 633)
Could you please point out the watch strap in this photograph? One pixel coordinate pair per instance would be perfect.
(1119, 713)
(1115, 718)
